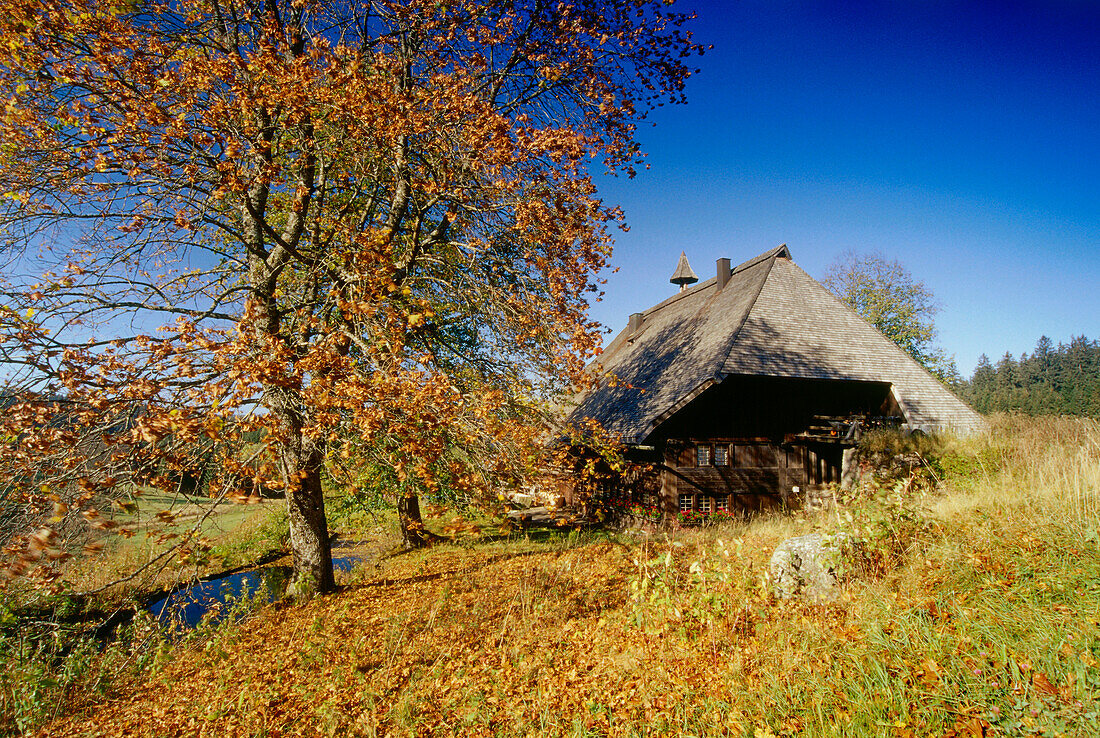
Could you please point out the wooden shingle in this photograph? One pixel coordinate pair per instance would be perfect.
(770, 319)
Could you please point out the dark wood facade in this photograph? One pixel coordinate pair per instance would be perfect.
(740, 388)
(747, 443)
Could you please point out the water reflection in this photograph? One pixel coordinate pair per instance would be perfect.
(215, 600)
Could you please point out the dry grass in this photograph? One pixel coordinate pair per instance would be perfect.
(986, 620)
(1031, 469)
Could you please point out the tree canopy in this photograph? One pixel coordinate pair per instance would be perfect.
(328, 225)
(1062, 380)
(887, 295)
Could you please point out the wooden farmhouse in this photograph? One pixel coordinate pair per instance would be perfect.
(738, 390)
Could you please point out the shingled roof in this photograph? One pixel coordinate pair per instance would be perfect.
(770, 319)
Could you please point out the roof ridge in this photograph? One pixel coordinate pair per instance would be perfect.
(770, 253)
(680, 295)
(888, 341)
(773, 254)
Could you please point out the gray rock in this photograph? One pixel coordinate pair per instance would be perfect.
(806, 567)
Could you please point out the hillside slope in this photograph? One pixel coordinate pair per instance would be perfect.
(978, 614)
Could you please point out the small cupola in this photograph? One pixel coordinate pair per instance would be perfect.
(684, 275)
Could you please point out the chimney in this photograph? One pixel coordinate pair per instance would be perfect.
(723, 273)
(635, 324)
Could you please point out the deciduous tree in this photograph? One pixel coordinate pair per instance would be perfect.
(887, 295)
(326, 224)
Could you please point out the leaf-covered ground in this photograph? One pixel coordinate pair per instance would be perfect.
(981, 634)
(971, 611)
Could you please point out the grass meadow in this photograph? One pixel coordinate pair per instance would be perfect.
(971, 608)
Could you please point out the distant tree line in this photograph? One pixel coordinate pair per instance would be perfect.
(1051, 381)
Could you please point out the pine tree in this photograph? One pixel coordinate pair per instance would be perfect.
(1051, 381)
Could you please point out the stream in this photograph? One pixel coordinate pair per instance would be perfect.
(216, 599)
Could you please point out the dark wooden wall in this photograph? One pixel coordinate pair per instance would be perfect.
(756, 421)
(771, 407)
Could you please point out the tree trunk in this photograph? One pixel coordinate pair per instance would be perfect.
(413, 534)
(309, 539)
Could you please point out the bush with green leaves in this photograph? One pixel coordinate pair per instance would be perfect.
(883, 524)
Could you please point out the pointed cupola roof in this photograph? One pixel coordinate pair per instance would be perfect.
(684, 274)
(771, 319)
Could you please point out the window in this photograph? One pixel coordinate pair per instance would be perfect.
(702, 455)
(704, 505)
(685, 503)
(722, 504)
(721, 455)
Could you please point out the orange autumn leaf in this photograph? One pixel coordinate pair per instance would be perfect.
(281, 245)
(1043, 685)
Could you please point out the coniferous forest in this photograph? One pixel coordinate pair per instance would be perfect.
(1062, 380)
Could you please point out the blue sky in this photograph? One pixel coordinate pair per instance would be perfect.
(962, 139)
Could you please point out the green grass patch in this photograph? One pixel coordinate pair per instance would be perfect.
(971, 608)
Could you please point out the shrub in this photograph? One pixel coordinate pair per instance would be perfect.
(887, 455)
(48, 667)
(883, 524)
